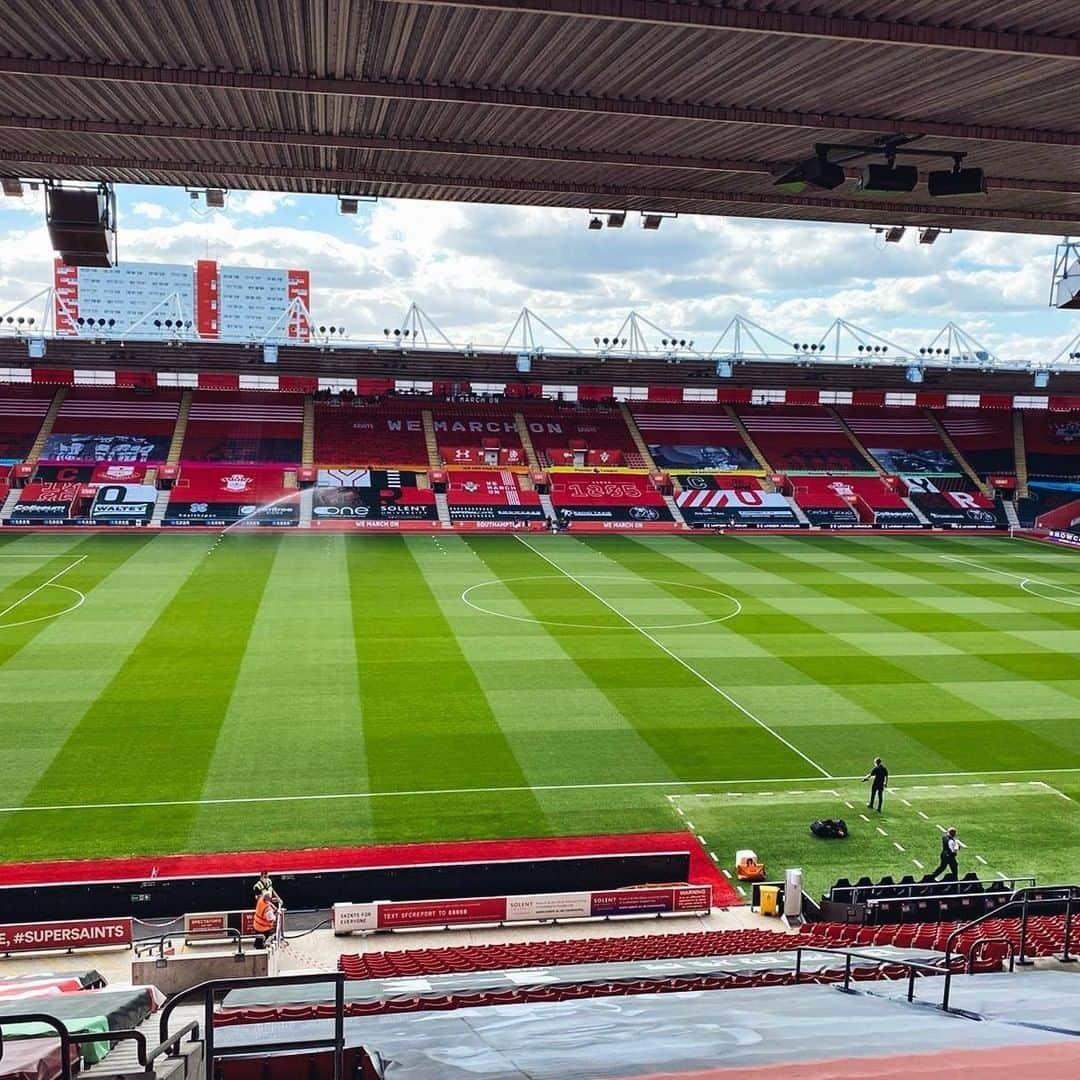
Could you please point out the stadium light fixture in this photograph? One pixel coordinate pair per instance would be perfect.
(894, 234)
(652, 219)
(930, 233)
(887, 179)
(12, 186)
(817, 171)
(616, 220)
(955, 183)
(215, 198)
(595, 224)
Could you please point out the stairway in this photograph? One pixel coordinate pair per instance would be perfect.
(549, 507)
(855, 440)
(176, 447)
(526, 441)
(953, 449)
(307, 503)
(45, 430)
(752, 446)
(1011, 515)
(797, 510)
(676, 513)
(9, 503)
(161, 502)
(920, 516)
(1020, 454)
(122, 1061)
(639, 442)
(434, 457)
(443, 506)
(307, 446)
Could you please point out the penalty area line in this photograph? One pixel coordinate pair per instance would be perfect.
(678, 659)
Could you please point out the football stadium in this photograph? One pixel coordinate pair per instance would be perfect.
(692, 701)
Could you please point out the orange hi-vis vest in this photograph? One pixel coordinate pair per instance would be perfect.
(264, 912)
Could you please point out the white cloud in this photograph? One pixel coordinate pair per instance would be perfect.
(150, 211)
(259, 203)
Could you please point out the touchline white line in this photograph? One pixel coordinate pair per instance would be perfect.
(523, 788)
(678, 659)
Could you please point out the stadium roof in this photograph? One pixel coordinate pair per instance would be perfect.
(638, 104)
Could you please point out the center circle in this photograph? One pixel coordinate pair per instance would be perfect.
(584, 579)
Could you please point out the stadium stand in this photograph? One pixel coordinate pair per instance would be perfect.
(97, 424)
(390, 434)
(901, 440)
(1044, 936)
(245, 427)
(802, 440)
(491, 496)
(1053, 444)
(692, 437)
(983, 436)
(473, 433)
(22, 408)
(607, 498)
(599, 431)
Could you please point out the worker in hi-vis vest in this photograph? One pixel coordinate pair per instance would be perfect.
(266, 914)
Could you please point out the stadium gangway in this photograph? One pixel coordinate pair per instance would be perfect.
(913, 967)
(209, 991)
(1024, 899)
(876, 893)
(169, 1047)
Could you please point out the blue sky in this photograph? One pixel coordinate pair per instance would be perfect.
(472, 268)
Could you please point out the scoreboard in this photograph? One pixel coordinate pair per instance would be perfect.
(221, 302)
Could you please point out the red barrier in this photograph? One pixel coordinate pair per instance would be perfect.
(69, 934)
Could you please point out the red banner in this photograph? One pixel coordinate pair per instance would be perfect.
(441, 912)
(71, 934)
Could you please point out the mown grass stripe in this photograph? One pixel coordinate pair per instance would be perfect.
(903, 689)
(300, 663)
(427, 723)
(560, 726)
(151, 732)
(693, 729)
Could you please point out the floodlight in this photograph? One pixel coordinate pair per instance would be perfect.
(12, 186)
(894, 234)
(215, 198)
(928, 235)
(887, 179)
(616, 220)
(595, 223)
(955, 183)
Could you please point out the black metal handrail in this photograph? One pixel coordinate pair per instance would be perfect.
(68, 1039)
(1024, 899)
(149, 944)
(913, 967)
(209, 990)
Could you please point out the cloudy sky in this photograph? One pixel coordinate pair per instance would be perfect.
(472, 269)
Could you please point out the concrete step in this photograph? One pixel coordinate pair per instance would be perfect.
(160, 505)
(307, 502)
(923, 519)
(797, 510)
(443, 506)
(676, 513)
(9, 503)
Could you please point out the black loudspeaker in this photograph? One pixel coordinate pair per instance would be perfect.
(79, 221)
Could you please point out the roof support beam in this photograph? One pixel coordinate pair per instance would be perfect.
(570, 194)
(523, 99)
(498, 151)
(699, 16)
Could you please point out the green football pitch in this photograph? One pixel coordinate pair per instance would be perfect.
(164, 693)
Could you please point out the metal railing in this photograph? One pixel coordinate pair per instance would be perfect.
(1044, 895)
(208, 992)
(913, 968)
(146, 945)
(168, 1046)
